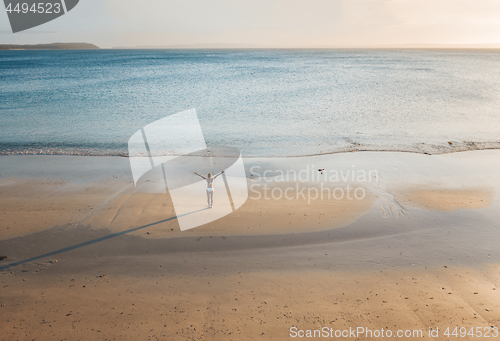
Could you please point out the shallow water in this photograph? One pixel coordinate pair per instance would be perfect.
(265, 103)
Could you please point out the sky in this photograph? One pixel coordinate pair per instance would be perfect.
(268, 23)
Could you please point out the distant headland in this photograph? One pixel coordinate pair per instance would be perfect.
(54, 46)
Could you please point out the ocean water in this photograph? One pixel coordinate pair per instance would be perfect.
(264, 102)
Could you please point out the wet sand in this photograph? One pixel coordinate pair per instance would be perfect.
(447, 200)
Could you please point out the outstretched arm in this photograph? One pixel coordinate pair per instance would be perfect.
(216, 175)
(201, 176)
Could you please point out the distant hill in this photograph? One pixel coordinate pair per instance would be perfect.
(55, 46)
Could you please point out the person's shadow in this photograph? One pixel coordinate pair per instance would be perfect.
(93, 241)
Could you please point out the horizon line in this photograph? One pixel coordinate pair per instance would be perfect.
(289, 47)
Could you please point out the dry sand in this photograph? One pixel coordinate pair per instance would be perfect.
(130, 303)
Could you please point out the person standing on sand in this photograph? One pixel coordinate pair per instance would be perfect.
(210, 187)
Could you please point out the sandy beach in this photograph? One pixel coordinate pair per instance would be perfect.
(92, 256)
(250, 170)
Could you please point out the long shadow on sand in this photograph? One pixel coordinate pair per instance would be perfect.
(90, 242)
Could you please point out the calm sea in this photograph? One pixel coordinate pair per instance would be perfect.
(264, 102)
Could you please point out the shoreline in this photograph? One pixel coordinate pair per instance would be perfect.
(462, 150)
